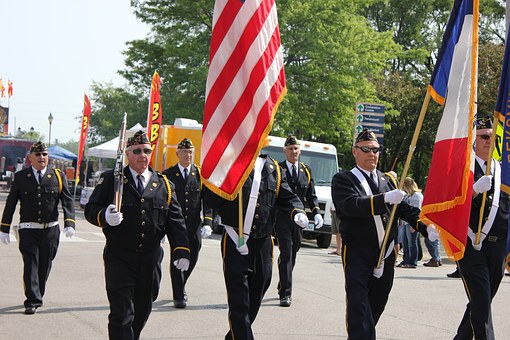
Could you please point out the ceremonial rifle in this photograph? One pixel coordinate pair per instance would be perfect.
(118, 175)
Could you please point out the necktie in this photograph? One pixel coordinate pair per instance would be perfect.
(373, 183)
(185, 174)
(39, 176)
(294, 174)
(140, 184)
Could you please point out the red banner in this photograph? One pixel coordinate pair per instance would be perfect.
(85, 122)
(9, 88)
(155, 114)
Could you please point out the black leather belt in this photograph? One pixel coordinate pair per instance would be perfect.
(492, 238)
(259, 235)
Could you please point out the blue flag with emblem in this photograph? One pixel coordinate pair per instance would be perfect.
(503, 109)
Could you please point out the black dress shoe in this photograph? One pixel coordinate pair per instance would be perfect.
(30, 310)
(285, 302)
(454, 275)
(181, 303)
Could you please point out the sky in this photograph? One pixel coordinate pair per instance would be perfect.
(53, 50)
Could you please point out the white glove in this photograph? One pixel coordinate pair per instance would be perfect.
(301, 220)
(394, 196)
(206, 231)
(69, 231)
(182, 264)
(5, 237)
(483, 184)
(433, 232)
(318, 221)
(113, 217)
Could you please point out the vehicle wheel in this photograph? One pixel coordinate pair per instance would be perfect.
(323, 240)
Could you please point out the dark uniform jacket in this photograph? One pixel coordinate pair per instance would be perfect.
(356, 209)
(39, 203)
(190, 197)
(146, 218)
(500, 225)
(273, 192)
(304, 186)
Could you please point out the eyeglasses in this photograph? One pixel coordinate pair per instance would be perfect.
(367, 149)
(146, 151)
(39, 154)
(484, 137)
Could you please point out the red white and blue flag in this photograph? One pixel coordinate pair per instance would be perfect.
(447, 199)
(245, 85)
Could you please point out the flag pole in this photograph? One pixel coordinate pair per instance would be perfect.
(412, 147)
(487, 173)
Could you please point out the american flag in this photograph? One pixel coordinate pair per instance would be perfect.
(245, 85)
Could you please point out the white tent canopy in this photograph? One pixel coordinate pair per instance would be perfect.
(109, 149)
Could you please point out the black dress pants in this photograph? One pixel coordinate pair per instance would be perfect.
(38, 248)
(289, 236)
(366, 294)
(247, 278)
(179, 278)
(132, 284)
(482, 272)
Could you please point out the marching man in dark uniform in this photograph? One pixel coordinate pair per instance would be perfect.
(39, 189)
(289, 234)
(188, 189)
(247, 267)
(483, 265)
(133, 254)
(363, 199)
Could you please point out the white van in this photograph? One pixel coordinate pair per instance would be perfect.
(323, 161)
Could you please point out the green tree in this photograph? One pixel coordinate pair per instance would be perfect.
(110, 103)
(418, 27)
(332, 57)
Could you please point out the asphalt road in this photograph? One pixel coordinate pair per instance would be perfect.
(424, 303)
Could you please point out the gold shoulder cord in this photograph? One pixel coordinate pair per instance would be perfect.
(168, 189)
(307, 172)
(59, 180)
(198, 171)
(278, 177)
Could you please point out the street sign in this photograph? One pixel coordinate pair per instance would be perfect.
(371, 117)
(370, 108)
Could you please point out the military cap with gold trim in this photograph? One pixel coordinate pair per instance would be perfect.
(483, 123)
(38, 147)
(185, 144)
(291, 140)
(139, 137)
(366, 135)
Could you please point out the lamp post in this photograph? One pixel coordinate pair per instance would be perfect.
(50, 120)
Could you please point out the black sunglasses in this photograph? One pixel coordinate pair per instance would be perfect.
(39, 154)
(367, 149)
(484, 137)
(146, 151)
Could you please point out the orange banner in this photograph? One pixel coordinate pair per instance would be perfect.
(155, 114)
(85, 122)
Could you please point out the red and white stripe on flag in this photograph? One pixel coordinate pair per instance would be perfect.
(245, 85)
(447, 199)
